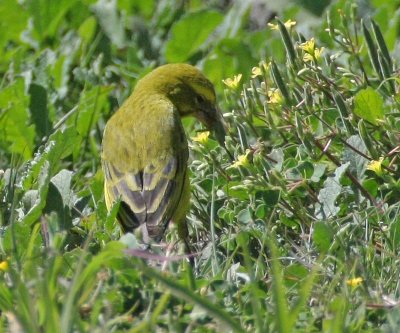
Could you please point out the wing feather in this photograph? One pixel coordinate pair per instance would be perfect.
(149, 196)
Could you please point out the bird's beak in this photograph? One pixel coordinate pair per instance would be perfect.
(215, 123)
(218, 126)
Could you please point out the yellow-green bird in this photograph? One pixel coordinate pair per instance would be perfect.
(145, 150)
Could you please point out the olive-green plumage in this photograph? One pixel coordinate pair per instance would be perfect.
(145, 149)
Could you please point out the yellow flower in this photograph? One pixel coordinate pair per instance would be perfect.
(376, 166)
(316, 56)
(233, 83)
(257, 71)
(318, 52)
(311, 52)
(202, 137)
(4, 266)
(288, 25)
(242, 160)
(308, 46)
(275, 96)
(354, 282)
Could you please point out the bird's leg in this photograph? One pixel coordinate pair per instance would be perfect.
(183, 234)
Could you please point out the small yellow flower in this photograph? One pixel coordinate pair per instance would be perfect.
(318, 52)
(376, 166)
(308, 46)
(288, 25)
(233, 83)
(202, 137)
(4, 266)
(242, 160)
(316, 56)
(275, 96)
(311, 52)
(257, 71)
(354, 282)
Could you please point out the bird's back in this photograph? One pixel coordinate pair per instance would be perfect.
(144, 159)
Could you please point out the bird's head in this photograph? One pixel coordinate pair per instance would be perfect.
(191, 93)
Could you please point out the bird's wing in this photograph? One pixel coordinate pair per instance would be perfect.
(148, 196)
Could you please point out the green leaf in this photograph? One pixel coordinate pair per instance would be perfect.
(190, 33)
(328, 195)
(38, 109)
(356, 160)
(368, 105)
(294, 274)
(87, 29)
(91, 103)
(43, 186)
(371, 186)
(244, 216)
(48, 15)
(60, 199)
(322, 236)
(319, 171)
(13, 21)
(17, 136)
(302, 171)
(271, 197)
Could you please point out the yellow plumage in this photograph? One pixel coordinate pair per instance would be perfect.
(145, 149)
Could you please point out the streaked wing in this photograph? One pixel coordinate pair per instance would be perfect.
(149, 196)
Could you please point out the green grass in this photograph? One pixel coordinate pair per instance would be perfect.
(280, 231)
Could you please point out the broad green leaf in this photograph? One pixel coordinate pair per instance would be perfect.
(319, 171)
(356, 160)
(371, 186)
(35, 212)
(91, 103)
(38, 109)
(60, 198)
(328, 195)
(244, 216)
(190, 33)
(13, 21)
(88, 29)
(295, 273)
(322, 236)
(271, 197)
(60, 144)
(48, 15)
(302, 171)
(17, 135)
(368, 105)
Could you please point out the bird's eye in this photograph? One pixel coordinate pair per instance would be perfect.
(200, 99)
